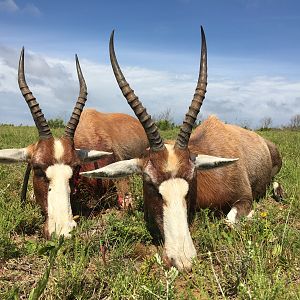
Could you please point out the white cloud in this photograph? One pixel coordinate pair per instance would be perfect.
(8, 6)
(11, 7)
(249, 101)
(242, 100)
(32, 9)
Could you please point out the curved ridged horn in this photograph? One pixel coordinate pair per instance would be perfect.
(38, 116)
(191, 116)
(154, 138)
(25, 183)
(74, 120)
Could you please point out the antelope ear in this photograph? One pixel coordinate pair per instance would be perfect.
(116, 170)
(9, 156)
(205, 162)
(91, 155)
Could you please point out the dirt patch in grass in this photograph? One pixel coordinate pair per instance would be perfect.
(22, 273)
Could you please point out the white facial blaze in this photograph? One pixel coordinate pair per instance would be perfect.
(60, 218)
(179, 246)
(172, 163)
(58, 150)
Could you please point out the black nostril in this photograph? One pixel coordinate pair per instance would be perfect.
(49, 190)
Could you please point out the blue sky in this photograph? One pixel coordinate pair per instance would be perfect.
(253, 56)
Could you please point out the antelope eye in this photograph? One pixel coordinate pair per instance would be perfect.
(75, 166)
(39, 173)
(193, 157)
(147, 177)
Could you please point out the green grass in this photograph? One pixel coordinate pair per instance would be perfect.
(111, 255)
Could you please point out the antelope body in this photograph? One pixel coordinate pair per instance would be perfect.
(118, 133)
(114, 132)
(259, 160)
(192, 173)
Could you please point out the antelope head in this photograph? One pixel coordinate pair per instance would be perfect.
(53, 160)
(168, 170)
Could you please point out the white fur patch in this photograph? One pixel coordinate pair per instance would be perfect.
(250, 215)
(231, 216)
(275, 185)
(179, 246)
(58, 150)
(60, 218)
(172, 163)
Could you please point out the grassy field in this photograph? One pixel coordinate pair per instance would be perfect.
(111, 255)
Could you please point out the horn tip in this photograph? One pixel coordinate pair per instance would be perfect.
(22, 53)
(203, 38)
(202, 32)
(21, 65)
(77, 65)
(112, 36)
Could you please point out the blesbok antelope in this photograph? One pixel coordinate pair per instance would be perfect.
(53, 160)
(118, 133)
(183, 175)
